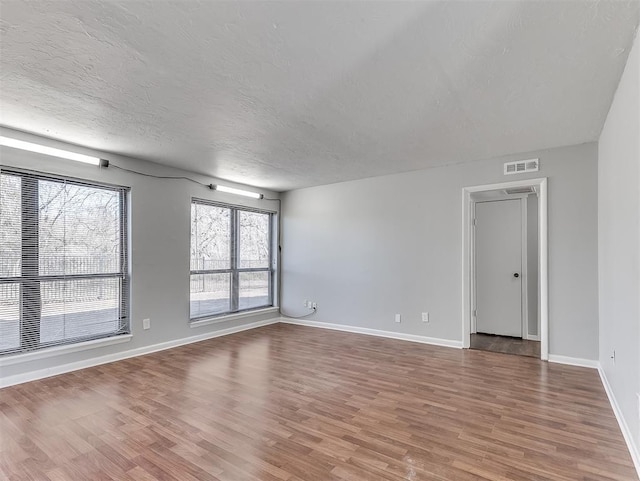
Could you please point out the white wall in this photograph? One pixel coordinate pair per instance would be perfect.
(159, 254)
(368, 249)
(619, 245)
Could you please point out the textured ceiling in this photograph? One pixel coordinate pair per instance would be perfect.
(288, 94)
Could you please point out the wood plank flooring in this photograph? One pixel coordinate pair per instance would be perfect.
(290, 403)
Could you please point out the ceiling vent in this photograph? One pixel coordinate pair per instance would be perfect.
(521, 166)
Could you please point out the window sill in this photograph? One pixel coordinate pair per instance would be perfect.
(61, 350)
(232, 317)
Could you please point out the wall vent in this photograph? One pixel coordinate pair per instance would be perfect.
(520, 190)
(521, 166)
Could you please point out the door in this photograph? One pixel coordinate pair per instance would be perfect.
(498, 241)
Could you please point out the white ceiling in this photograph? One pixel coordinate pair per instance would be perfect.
(289, 94)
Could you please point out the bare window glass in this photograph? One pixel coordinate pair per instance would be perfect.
(254, 289)
(210, 294)
(254, 239)
(210, 237)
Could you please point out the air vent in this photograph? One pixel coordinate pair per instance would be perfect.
(520, 190)
(521, 166)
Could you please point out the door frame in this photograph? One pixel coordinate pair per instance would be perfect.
(543, 253)
(524, 275)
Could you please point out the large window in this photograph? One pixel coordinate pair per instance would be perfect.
(231, 259)
(63, 261)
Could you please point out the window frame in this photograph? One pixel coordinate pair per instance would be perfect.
(234, 271)
(31, 316)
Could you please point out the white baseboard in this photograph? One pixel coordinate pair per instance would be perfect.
(374, 332)
(118, 356)
(532, 337)
(624, 427)
(574, 361)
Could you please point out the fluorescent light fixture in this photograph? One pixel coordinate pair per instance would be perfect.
(41, 149)
(231, 190)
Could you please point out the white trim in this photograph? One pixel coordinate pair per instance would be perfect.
(62, 350)
(436, 341)
(573, 361)
(118, 356)
(524, 267)
(467, 257)
(234, 316)
(473, 299)
(624, 427)
(543, 271)
(532, 337)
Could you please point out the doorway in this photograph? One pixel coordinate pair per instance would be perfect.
(505, 268)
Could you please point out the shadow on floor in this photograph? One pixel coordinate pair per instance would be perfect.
(506, 345)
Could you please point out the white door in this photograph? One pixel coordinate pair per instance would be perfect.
(498, 240)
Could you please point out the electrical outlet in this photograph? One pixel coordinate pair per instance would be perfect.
(398, 318)
(425, 317)
(146, 323)
(613, 357)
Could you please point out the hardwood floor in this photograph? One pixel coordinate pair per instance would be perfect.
(295, 403)
(505, 345)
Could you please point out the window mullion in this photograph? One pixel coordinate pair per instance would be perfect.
(30, 301)
(235, 278)
(272, 260)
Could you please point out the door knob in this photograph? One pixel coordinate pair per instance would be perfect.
(516, 275)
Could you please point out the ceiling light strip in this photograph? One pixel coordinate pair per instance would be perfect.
(42, 149)
(231, 190)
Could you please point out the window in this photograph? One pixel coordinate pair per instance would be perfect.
(63, 261)
(231, 259)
